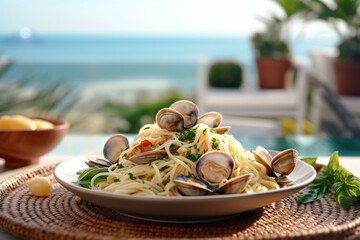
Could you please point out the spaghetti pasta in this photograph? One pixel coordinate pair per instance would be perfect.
(183, 149)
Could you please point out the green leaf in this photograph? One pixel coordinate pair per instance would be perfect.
(86, 176)
(292, 7)
(333, 164)
(316, 190)
(346, 189)
(311, 161)
(342, 183)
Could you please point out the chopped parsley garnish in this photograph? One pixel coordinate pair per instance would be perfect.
(117, 180)
(214, 143)
(192, 175)
(149, 164)
(143, 182)
(204, 131)
(131, 176)
(146, 128)
(187, 135)
(213, 130)
(192, 156)
(168, 178)
(176, 153)
(195, 146)
(132, 193)
(164, 167)
(125, 156)
(166, 159)
(119, 165)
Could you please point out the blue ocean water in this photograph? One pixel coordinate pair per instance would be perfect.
(79, 61)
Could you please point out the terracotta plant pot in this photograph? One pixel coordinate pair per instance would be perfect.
(272, 72)
(347, 77)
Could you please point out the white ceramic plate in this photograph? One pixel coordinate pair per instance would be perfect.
(179, 209)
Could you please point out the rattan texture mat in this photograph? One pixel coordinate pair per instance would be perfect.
(59, 216)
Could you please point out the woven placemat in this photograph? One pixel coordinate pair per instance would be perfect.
(59, 216)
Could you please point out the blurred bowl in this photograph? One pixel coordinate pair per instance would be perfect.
(24, 147)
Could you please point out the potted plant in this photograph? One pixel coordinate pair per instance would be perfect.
(226, 74)
(271, 49)
(347, 65)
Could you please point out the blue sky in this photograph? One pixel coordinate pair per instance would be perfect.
(142, 17)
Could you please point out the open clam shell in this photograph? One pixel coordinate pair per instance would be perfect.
(148, 157)
(212, 119)
(190, 186)
(213, 167)
(170, 119)
(234, 185)
(189, 111)
(222, 130)
(114, 146)
(98, 162)
(261, 159)
(284, 162)
(283, 180)
(264, 153)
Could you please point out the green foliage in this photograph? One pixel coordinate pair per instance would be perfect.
(138, 115)
(293, 7)
(86, 176)
(316, 190)
(336, 178)
(311, 161)
(225, 74)
(47, 100)
(349, 49)
(344, 12)
(271, 43)
(267, 45)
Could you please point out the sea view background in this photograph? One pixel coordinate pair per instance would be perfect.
(79, 61)
(120, 62)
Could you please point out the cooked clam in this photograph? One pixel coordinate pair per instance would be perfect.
(234, 185)
(114, 146)
(265, 153)
(260, 159)
(148, 157)
(283, 180)
(170, 119)
(188, 110)
(213, 167)
(212, 119)
(222, 130)
(191, 187)
(284, 162)
(98, 162)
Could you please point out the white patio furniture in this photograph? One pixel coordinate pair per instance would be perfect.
(256, 103)
(323, 63)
